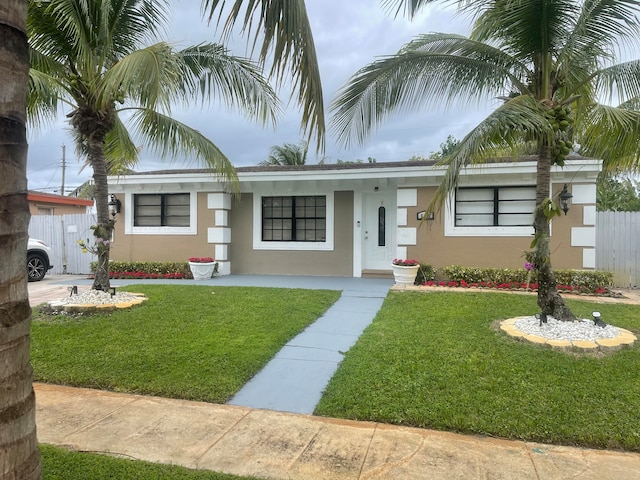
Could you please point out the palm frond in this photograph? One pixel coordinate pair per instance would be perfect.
(434, 68)
(612, 134)
(619, 82)
(500, 132)
(119, 150)
(286, 38)
(44, 99)
(169, 137)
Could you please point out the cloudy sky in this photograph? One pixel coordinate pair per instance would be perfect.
(348, 35)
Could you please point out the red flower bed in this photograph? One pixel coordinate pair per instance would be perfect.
(515, 286)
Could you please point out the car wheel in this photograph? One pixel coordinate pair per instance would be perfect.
(36, 267)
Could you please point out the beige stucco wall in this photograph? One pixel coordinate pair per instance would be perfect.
(164, 248)
(55, 209)
(244, 259)
(436, 249)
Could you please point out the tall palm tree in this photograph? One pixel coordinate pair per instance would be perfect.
(287, 154)
(101, 59)
(551, 62)
(18, 443)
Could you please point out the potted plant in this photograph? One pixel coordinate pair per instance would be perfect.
(202, 268)
(405, 271)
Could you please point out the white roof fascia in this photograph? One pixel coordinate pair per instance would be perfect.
(578, 167)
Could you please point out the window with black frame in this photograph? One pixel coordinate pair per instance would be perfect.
(495, 206)
(294, 218)
(162, 210)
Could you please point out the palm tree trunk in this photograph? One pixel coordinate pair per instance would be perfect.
(104, 227)
(549, 300)
(19, 454)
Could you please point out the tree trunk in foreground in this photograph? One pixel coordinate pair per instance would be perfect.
(549, 300)
(19, 454)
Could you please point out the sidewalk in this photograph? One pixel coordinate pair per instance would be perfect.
(276, 445)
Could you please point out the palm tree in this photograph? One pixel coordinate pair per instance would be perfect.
(97, 58)
(552, 64)
(287, 154)
(18, 442)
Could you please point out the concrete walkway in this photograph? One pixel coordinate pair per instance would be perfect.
(293, 381)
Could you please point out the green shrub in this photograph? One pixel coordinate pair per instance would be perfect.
(177, 269)
(425, 273)
(585, 279)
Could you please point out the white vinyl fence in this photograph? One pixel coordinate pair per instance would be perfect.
(61, 233)
(618, 246)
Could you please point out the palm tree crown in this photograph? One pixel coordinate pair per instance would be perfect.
(287, 154)
(101, 59)
(552, 65)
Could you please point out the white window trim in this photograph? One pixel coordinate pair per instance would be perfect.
(258, 244)
(451, 230)
(192, 229)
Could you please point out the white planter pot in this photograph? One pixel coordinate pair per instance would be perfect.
(405, 276)
(202, 271)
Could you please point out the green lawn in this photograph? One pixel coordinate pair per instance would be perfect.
(436, 360)
(61, 464)
(191, 342)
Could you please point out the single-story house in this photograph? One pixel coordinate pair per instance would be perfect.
(350, 219)
(41, 203)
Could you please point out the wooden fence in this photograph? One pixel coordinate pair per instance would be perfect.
(61, 233)
(618, 246)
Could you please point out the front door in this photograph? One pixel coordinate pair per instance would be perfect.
(379, 227)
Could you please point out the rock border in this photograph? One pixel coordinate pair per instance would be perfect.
(624, 339)
(84, 308)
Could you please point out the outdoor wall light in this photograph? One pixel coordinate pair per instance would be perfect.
(114, 205)
(565, 199)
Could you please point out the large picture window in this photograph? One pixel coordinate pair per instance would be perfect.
(495, 206)
(162, 210)
(294, 219)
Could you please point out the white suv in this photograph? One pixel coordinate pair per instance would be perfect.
(38, 263)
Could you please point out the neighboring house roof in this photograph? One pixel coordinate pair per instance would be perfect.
(52, 199)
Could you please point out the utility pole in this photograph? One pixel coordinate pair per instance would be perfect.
(64, 243)
(64, 166)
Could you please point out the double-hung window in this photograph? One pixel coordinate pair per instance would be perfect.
(294, 218)
(495, 206)
(162, 210)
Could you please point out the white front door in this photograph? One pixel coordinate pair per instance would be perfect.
(379, 230)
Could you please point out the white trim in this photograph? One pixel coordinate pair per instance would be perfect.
(218, 235)
(358, 216)
(258, 244)
(222, 218)
(402, 217)
(130, 229)
(218, 201)
(406, 236)
(583, 237)
(407, 197)
(589, 258)
(589, 215)
(583, 194)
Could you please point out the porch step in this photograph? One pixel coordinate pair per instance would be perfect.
(377, 274)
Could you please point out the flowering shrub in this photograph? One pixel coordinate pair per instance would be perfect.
(201, 260)
(143, 275)
(516, 286)
(405, 263)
